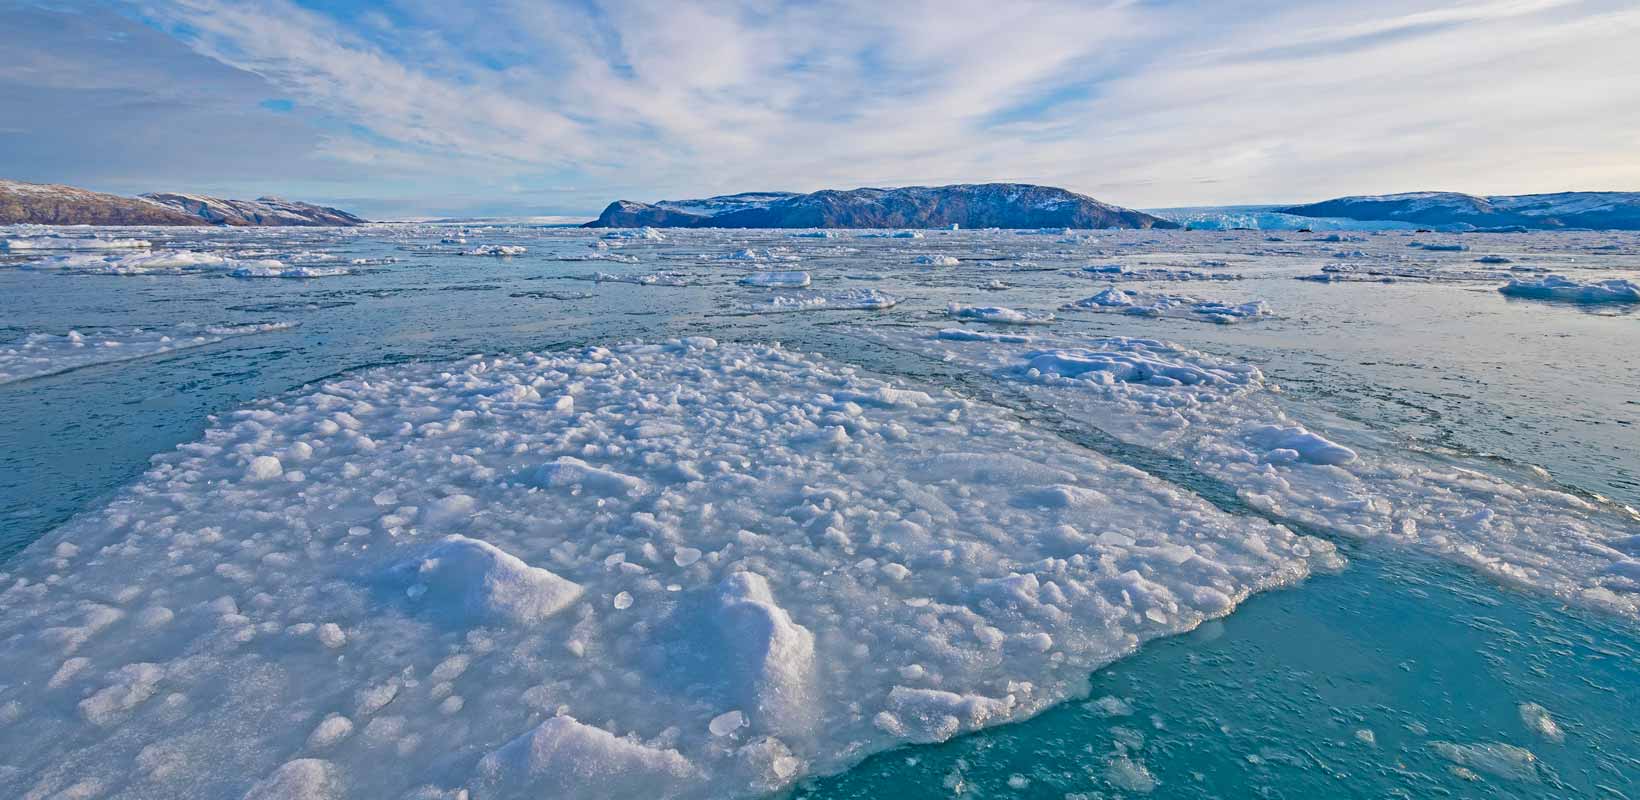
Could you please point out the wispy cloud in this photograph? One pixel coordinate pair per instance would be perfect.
(1143, 102)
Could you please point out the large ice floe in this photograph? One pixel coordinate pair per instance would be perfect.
(1221, 416)
(40, 354)
(1146, 304)
(684, 570)
(1560, 287)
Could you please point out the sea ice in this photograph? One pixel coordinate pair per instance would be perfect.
(682, 570)
(844, 300)
(998, 315)
(777, 280)
(1560, 287)
(40, 354)
(66, 243)
(496, 250)
(1224, 418)
(1170, 305)
(275, 269)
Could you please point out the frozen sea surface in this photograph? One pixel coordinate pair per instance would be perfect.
(515, 527)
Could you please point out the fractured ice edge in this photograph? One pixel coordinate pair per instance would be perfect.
(39, 354)
(679, 570)
(1221, 416)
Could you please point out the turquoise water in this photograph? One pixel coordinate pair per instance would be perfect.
(1268, 702)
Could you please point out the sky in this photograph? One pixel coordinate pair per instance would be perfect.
(409, 108)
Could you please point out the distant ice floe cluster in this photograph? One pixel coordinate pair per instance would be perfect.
(176, 262)
(684, 570)
(40, 354)
(1221, 415)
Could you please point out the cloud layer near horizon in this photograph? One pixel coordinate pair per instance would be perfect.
(529, 107)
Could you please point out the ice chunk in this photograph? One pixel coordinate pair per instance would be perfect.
(846, 300)
(936, 261)
(997, 315)
(770, 658)
(464, 580)
(275, 269)
(496, 250)
(569, 471)
(1170, 305)
(777, 280)
(1307, 446)
(1560, 287)
(566, 759)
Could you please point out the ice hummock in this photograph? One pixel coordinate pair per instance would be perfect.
(777, 280)
(673, 570)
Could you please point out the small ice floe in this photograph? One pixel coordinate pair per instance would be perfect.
(1494, 259)
(66, 243)
(823, 234)
(275, 269)
(753, 254)
(1117, 272)
(994, 285)
(844, 300)
(935, 261)
(1497, 759)
(997, 315)
(1560, 287)
(1145, 304)
(893, 235)
(645, 233)
(1440, 248)
(496, 250)
(966, 335)
(777, 280)
(1537, 719)
(655, 279)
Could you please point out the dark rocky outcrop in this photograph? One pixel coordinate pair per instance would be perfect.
(54, 204)
(1591, 210)
(986, 205)
(262, 212)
